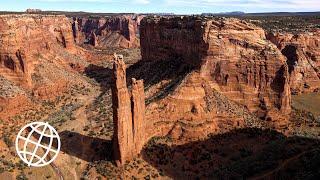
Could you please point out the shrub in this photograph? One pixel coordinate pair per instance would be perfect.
(21, 176)
(7, 140)
(1, 170)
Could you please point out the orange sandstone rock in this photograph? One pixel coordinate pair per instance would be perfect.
(25, 37)
(128, 115)
(229, 56)
(50, 91)
(286, 93)
(303, 58)
(114, 31)
(138, 114)
(122, 116)
(11, 106)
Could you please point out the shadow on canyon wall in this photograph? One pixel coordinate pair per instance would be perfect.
(239, 154)
(152, 72)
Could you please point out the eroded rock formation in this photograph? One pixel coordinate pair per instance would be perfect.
(75, 30)
(12, 99)
(138, 114)
(38, 56)
(117, 31)
(303, 58)
(25, 36)
(94, 39)
(128, 114)
(229, 56)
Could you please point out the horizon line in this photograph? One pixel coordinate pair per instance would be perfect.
(227, 12)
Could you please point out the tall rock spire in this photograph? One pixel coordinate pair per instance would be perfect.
(286, 94)
(138, 111)
(122, 116)
(94, 39)
(75, 30)
(128, 114)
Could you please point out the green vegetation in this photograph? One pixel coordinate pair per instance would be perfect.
(63, 115)
(22, 176)
(285, 23)
(1, 170)
(107, 169)
(7, 140)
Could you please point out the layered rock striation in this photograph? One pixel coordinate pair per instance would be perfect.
(169, 38)
(39, 57)
(117, 31)
(128, 115)
(138, 115)
(23, 37)
(303, 58)
(231, 56)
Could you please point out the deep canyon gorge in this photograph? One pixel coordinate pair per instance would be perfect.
(132, 94)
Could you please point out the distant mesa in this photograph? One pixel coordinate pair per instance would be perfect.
(233, 13)
(158, 14)
(33, 10)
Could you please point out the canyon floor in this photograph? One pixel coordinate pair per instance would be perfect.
(83, 118)
(82, 115)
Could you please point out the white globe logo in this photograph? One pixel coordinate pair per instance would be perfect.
(35, 144)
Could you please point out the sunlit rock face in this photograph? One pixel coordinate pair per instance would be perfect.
(303, 58)
(23, 37)
(228, 56)
(38, 56)
(128, 114)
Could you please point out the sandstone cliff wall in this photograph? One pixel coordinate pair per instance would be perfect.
(233, 56)
(303, 58)
(38, 59)
(163, 39)
(23, 37)
(118, 31)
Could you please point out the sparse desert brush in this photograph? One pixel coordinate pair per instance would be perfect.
(21, 165)
(21, 176)
(7, 140)
(91, 133)
(86, 128)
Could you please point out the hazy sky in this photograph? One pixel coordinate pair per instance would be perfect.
(175, 6)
